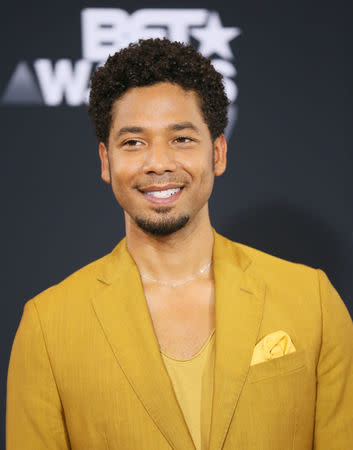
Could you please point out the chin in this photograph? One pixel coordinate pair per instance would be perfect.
(162, 227)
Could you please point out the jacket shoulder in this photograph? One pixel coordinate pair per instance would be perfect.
(262, 257)
(76, 287)
(277, 270)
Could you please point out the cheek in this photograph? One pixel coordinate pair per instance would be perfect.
(121, 167)
(207, 179)
(120, 177)
(207, 183)
(207, 173)
(203, 184)
(198, 164)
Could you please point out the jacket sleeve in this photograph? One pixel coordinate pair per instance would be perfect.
(34, 414)
(334, 402)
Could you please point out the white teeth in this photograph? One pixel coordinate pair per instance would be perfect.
(163, 194)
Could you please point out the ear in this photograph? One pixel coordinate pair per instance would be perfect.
(103, 154)
(220, 155)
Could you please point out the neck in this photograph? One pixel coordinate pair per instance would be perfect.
(175, 257)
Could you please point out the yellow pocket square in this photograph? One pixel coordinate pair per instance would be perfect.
(272, 346)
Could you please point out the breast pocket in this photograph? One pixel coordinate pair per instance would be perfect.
(277, 367)
(268, 408)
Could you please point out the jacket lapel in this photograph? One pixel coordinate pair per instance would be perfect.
(122, 311)
(124, 316)
(239, 310)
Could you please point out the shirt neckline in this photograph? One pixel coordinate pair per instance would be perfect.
(194, 356)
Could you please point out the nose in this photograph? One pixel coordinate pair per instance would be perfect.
(159, 158)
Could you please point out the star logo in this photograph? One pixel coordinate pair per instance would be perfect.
(214, 38)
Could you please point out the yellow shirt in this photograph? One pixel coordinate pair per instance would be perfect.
(192, 381)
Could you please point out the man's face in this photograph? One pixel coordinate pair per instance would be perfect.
(160, 159)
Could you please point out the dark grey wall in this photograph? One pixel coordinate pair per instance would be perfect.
(289, 183)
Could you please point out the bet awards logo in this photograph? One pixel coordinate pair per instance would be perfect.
(106, 30)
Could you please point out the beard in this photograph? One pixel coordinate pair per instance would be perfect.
(163, 227)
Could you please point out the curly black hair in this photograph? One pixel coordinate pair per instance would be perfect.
(151, 61)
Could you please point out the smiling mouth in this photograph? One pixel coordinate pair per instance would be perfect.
(162, 196)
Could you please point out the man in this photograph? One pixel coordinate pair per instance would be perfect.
(179, 338)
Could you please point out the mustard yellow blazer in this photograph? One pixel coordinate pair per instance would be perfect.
(86, 371)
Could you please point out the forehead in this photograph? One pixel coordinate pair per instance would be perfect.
(156, 105)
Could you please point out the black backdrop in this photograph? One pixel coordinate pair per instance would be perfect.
(288, 185)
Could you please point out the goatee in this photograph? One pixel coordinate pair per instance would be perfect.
(162, 227)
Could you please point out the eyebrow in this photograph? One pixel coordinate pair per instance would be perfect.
(125, 130)
(183, 126)
(172, 127)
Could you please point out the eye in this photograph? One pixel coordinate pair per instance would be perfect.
(132, 143)
(183, 139)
